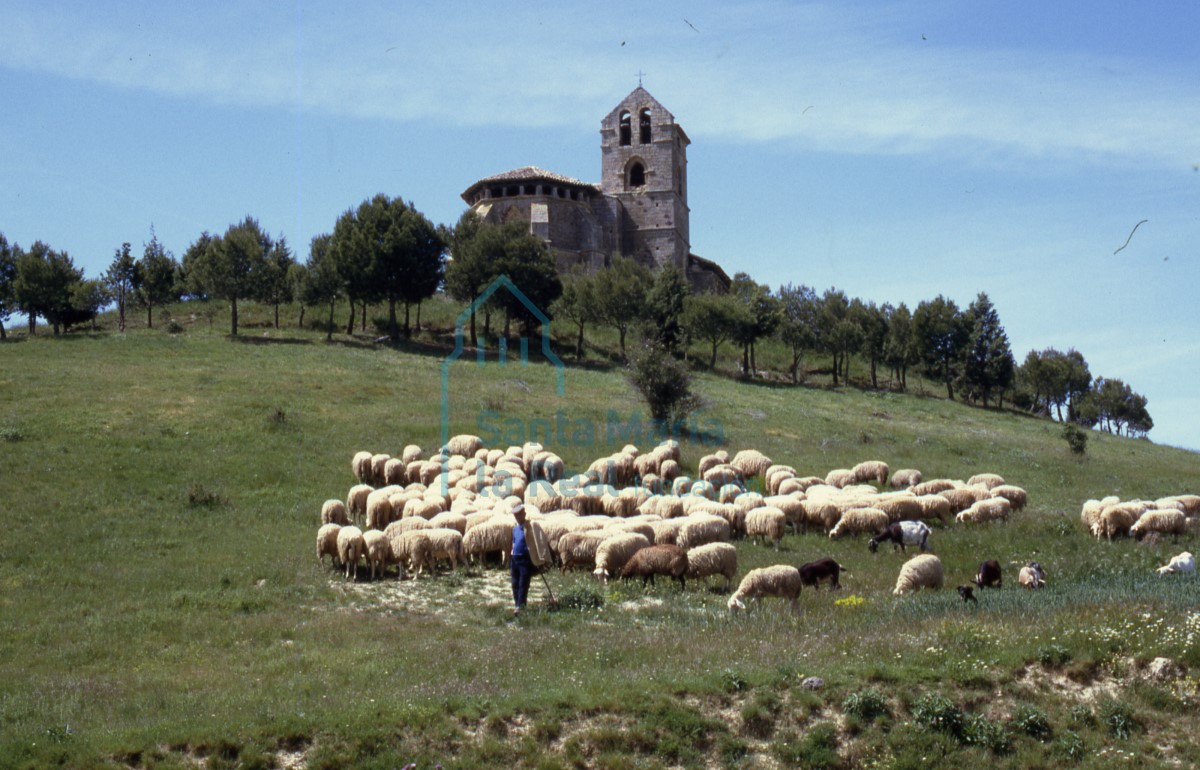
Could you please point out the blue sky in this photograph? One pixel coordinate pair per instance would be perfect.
(895, 150)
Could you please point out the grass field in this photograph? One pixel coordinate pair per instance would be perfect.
(161, 605)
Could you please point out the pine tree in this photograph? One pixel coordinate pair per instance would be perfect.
(988, 363)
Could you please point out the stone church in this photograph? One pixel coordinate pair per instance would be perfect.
(639, 209)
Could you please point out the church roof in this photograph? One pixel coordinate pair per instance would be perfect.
(528, 174)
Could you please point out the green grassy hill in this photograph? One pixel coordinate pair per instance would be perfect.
(162, 604)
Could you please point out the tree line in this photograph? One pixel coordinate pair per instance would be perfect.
(386, 251)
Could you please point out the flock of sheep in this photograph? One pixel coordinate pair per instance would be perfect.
(636, 514)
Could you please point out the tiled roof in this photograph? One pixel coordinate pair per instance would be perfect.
(532, 173)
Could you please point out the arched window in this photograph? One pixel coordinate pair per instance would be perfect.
(626, 130)
(637, 175)
(644, 123)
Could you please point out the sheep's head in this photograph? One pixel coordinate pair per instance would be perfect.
(735, 604)
(873, 545)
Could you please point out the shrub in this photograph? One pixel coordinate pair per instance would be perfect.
(200, 496)
(11, 434)
(1076, 437)
(978, 730)
(664, 382)
(1071, 745)
(1119, 718)
(1053, 655)
(581, 598)
(868, 705)
(173, 327)
(733, 681)
(1032, 722)
(937, 712)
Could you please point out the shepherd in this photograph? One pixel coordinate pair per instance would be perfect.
(530, 552)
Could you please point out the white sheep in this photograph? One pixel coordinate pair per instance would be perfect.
(490, 536)
(934, 486)
(751, 463)
(379, 551)
(334, 512)
(463, 444)
(445, 543)
(378, 462)
(935, 507)
(899, 506)
(713, 559)
(410, 549)
(1164, 522)
(1182, 563)
(1116, 520)
(923, 571)
(356, 501)
(615, 550)
(766, 522)
(1015, 495)
(701, 529)
(962, 498)
(1032, 576)
(351, 549)
(411, 453)
(327, 543)
(989, 480)
(666, 531)
(870, 470)
(379, 509)
(840, 477)
(721, 475)
(792, 506)
(905, 478)
(578, 549)
(669, 470)
(394, 472)
(360, 464)
(456, 520)
(860, 521)
(708, 461)
(992, 509)
(782, 580)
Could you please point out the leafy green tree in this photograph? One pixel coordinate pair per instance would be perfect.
(297, 278)
(323, 283)
(838, 332)
(229, 265)
(274, 288)
(799, 307)
(714, 318)
(941, 337)
(576, 305)
(1052, 378)
(468, 272)
(190, 281)
(1116, 408)
(988, 364)
(898, 348)
(511, 250)
(8, 277)
(620, 295)
(157, 276)
(762, 316)
(43, 284)
(87, 298)
(664, 307)
(872, 320)
(121, 278)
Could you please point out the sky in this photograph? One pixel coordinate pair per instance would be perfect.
(894, 150)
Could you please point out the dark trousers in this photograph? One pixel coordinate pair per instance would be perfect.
(521, 568)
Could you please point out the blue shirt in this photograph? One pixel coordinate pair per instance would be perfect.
(520, 547)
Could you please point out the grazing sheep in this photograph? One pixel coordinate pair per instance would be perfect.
(410, 549)
(840, 478)
(968, 594)
(463, 444)
(455, 520)
(666, 531)
(578, 549)
(721, 475)
(782, 580)
(1191, 504)
(1117, 520)
(702, 529)
(379, 509)
(378, 463)
(905, 478)
(669, 560)
(713, 559)
(411, 454)
(899, 507)
(379, 551)
(776, 475)
(491, 536)
(334, 512)
(790, 486)
(1015, 495)
(361, 466)
(394, 472)
(766, 523)
(858, 521)
(992, 509)
(962, 498)
(356, 501)
(351, 549)
(813, 572)
(902, 533)
(1032, 576)
(751, 463)
(1182, 562)
(934, 486)
(935, 507)
(989, 480)
(924, 571)
(327, 543)
(870, 470)
(821, 514)
(445, 543)
(989, 575)
(669, 470)
(792, 506)
(1164, 522)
